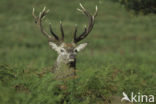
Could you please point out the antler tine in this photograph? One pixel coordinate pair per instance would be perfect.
(96, 10)
(75, 32)
(38, 21)
(91, 23)
(51, 31)
(33, 13)
(81, 36)
(62, 31)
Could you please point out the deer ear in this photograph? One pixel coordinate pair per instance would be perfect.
(81, 47)
(53, 46)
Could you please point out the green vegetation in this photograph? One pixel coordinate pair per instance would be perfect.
(140, 6)
(120, 56)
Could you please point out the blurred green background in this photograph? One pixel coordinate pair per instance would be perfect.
(121, 54)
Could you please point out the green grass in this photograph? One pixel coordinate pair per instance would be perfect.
(121, 54)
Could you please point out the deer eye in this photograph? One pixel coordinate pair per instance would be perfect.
(75, 50)
(62, 50)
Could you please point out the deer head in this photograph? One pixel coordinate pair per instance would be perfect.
(67, 51)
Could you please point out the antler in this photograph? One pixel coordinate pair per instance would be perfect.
(38, 21)
(88, 29)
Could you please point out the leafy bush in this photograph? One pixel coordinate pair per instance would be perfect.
(140, 6)
(30, 87)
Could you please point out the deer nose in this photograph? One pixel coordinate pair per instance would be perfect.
(72, 56)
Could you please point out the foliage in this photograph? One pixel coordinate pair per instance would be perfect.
(120, 55)
(140, 6)
(46, 90)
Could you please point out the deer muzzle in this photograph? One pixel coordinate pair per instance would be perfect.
(71, 57)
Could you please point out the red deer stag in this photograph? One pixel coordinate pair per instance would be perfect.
(66, 51)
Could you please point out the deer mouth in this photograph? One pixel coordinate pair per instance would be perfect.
(71, 60)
